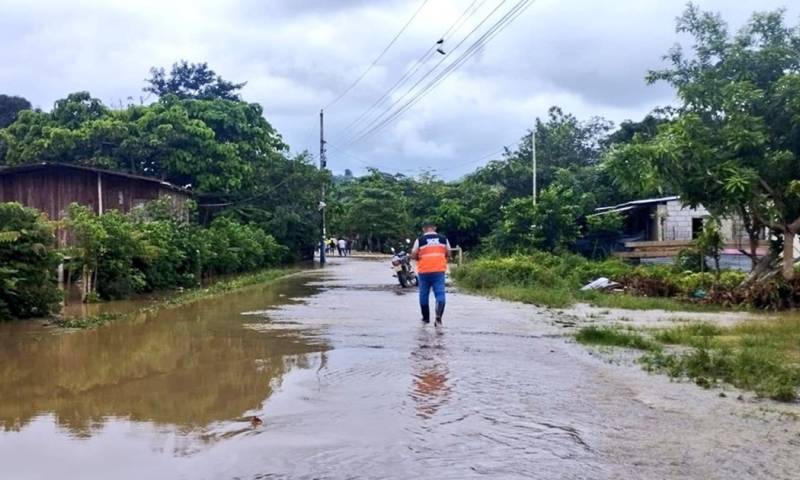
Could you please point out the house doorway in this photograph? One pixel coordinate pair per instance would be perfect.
(697, 227)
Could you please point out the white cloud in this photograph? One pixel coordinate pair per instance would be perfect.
(297, 55)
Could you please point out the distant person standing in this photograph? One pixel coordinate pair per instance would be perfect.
(342, 245)
(349, 246)
(431, 251)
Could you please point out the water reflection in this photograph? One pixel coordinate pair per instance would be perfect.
(187, 367)
(430, 389)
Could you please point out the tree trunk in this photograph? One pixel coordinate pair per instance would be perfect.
(788, 254)
(83, 284)
(753, 249)
(765, 266)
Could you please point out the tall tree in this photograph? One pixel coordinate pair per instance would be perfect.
(78, 108)
(191, 80)
(735, 143)
(562, 141)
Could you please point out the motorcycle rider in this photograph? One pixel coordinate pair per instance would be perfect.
(431, 251)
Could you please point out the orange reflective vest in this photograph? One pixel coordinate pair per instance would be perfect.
(432, 255)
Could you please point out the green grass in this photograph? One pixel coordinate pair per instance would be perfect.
(189, 296)
(693, 334)
(566, 297)
(632, 302)
(547, 297)
(615, 337)
(762, 356)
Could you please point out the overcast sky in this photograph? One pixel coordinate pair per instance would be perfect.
(589, 57)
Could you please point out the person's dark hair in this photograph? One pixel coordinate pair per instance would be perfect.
(428, 223)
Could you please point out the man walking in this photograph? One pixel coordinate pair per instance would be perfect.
(431, 251)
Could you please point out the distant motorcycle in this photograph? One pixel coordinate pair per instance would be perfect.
(404, 271)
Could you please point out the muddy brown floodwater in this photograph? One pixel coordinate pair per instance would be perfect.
(349, 385)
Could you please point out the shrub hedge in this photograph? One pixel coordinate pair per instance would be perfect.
(27, 263)
(146, 250)
(153, 250)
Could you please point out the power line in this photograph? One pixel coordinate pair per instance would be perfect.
(441, 76)
(454, 27)
(500, 25)
(248, 199)
(354, 136)
(378, 58)
(355, 157)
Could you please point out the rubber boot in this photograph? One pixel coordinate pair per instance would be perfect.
(439, 313)
(426, 313)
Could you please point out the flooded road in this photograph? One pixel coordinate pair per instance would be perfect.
(350, 385)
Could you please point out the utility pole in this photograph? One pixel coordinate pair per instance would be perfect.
(322, 166)
(533, 160)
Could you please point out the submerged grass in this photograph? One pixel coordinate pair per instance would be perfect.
(189, 296)
(90, 321)
(225, 286)
(762, 356)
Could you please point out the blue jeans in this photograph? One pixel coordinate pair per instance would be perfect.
(426, 282)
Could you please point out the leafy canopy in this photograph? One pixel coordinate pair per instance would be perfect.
(192, 80)
(734, 143)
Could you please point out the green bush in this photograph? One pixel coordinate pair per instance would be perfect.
(152, 250)
(568, 272)
(27, 263)
(112, 249)
(230, 247)
(518, 270)
(692, 282)
(540, 269)
(690, 259)
(730, 279)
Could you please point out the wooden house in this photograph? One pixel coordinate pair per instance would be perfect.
(52, 187)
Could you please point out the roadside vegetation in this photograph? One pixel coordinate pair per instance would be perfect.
(27, 263)
(762, 356)
(116, 255)
(154, 249)
(552, 280)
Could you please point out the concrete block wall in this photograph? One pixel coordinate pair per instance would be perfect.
(678, 222)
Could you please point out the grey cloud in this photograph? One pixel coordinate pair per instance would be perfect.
(590, 57)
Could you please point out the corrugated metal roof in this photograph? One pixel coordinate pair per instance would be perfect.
(637, 203)
(612, 210)
(32, 167)
(655, 200)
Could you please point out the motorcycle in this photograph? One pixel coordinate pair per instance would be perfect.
(404, 271)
